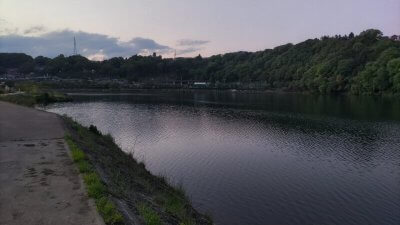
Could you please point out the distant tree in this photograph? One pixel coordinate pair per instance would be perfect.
(41, 60)
(26, 67)
(363, 64)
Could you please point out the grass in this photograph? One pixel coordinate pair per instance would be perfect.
(95, 188)
(20, 99)
(150, 217)
(77, 154)
(31, 100)
(108, 209)
(84, 167)
(34, 94)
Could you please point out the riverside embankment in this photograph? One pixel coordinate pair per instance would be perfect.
(40, 184)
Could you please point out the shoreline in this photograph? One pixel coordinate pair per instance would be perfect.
(137, 194)
(241, 91)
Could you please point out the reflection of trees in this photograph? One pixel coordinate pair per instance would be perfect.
(357, 107)
(315, 117)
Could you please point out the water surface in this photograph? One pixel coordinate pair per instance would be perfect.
(279, 159)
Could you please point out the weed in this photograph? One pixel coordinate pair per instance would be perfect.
(84, 167)
(108, 210)
(94, 186)
(150, 217)
(77, 155)
(175, 205)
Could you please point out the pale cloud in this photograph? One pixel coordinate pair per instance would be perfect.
(191, 42)
(189, 46)
(99, 56)
(187, 50)
(34, 30)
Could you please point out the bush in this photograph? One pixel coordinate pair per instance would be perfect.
(93, 129)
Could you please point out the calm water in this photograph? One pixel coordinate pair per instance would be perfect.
(279, 159)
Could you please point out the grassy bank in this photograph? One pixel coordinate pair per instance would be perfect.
(122, 185)
(31, 94)
(95, 187)
(32, 100)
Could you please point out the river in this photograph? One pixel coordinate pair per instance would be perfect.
(262, 158)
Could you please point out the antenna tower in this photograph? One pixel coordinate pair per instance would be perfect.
(75, 51)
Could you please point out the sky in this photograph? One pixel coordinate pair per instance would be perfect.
(105, 29)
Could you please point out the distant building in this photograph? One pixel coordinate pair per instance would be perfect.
(200, 84)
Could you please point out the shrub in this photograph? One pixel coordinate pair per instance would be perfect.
(93, 129)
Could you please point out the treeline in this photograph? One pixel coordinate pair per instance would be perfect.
(367, 63)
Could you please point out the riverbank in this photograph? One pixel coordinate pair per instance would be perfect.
(141, 197)
(31, 94)
(122, 183)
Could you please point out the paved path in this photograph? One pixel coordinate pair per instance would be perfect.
(39, 184)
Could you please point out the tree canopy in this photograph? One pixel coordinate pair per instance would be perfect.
(362, 64)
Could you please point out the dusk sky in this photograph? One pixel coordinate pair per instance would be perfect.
(106, 29)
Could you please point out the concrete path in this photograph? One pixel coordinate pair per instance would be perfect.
(39, 184)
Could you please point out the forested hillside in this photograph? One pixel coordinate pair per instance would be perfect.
(363, 64)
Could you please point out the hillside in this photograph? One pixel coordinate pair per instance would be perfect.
(368, 63)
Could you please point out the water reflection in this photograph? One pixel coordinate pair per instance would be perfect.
(355, 107)
(262, 159)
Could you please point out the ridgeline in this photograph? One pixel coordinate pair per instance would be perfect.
(368, 63)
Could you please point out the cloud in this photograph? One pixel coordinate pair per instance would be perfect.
(190, 46)
(6, 31)
(34, 30)
(99, 56)
(146, 43)
(187, 50)
(91, 45)
(191, 42)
